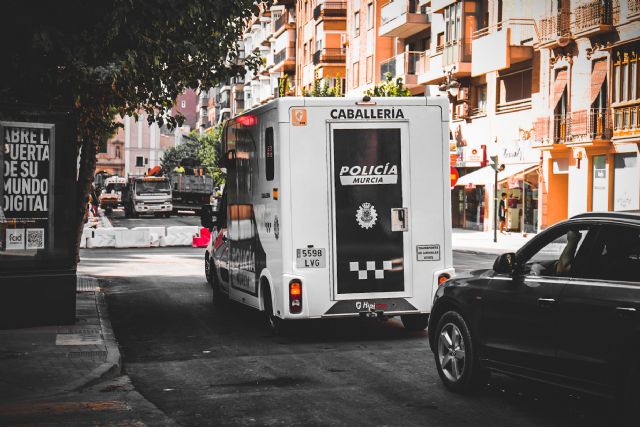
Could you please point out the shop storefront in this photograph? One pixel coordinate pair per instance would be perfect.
(522, 200)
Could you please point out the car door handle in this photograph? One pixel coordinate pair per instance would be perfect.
(546, 302)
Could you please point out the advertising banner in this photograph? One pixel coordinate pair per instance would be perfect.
(26, 168)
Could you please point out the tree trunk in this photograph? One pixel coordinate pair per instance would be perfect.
(85, 179)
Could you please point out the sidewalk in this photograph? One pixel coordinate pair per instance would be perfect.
(482, 241)
(43, 361)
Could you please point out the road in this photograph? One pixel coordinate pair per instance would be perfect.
(206, 366)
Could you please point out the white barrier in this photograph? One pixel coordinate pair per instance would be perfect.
(103, 238)
(155, 233)
(132, 238)
(179, 236)
(87, 233)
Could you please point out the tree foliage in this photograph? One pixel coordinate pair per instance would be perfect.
(95, 58)
(389, 87)
(323, 88)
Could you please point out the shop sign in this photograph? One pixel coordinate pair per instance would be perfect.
(518, 152)
(454, 176)
(472, 155)
(27, 186)
(453, 159)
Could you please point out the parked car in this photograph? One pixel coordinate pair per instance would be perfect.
(564, 309)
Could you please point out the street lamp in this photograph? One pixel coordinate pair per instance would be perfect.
(450, 84)
(496, 168)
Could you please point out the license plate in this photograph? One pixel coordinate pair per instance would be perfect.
(311, 258)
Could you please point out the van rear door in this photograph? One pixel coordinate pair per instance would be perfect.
(370, 209)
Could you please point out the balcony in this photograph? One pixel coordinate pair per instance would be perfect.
(400, 18)
(285, 59)
(500, 46)
(330, 9)
(329, 56)
(458, 53)
(594, 17)
(283, 22)
(555, 30)
(424, 63)
(583, 127)
(626, 120)
(404, 66)
(203, 100)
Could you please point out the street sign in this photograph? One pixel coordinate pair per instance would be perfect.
(454, 176)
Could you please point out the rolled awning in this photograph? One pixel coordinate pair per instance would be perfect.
(559, 86)
(486, 175)
(598, 75)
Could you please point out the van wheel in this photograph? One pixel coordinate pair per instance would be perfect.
(415, 322)
(273, 322)
(455, 354)
(218, 298)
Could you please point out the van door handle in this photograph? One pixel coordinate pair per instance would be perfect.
(546, 302)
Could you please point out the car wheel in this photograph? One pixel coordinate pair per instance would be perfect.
(415, 322)
(218, 298)
(273, 322)
(456, 359)
(207, 268)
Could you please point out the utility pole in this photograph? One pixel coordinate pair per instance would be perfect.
(496, 169)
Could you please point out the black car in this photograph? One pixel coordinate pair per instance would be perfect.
(564, 309)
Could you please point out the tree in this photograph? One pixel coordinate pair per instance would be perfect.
(389, 87)
(323, 88)
(95, 58)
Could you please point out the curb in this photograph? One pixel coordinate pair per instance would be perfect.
(112, 366)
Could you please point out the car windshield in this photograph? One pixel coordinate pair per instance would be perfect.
(147, 187)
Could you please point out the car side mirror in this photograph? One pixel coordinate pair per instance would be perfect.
(505, 263)
(208, 217)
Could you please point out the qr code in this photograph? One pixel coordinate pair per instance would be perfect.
(35, 238)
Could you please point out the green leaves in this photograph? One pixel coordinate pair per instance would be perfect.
(389, 87)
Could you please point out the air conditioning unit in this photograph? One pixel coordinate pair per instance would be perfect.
(463, 94)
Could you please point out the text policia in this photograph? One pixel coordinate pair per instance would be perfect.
(26, 174)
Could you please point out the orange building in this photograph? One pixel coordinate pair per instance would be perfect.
(320, 43)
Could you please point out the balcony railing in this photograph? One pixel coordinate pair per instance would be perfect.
(280, 21)
(626, 120)
(423, 64)
(285, 53)
(400, 65)
(577, 126)
(522, 31)
(330, 8)
(552, 27)
(456, 51)
(330, 55)
(395, 8)
(592, 14)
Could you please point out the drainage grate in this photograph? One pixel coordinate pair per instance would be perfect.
(86, 284)
(91, 354)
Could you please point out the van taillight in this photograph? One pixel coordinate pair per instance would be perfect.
(443, 278)
(295, 296)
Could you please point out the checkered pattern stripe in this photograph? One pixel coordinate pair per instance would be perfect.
(370, 266)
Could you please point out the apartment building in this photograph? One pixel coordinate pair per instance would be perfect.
(588, 127)
(321, 40)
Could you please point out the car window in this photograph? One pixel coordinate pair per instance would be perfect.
(561, 255)
(616, 255)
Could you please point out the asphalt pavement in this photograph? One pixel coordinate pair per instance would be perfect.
(202, 365)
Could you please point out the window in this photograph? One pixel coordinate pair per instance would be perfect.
(183, 104)
(626, 74)
(356, 24)
(118, 154)
(370, 15)
(369, 69)
(139, 161)
(452, 22)
(562, 254)
(356, 74)
(616, 255)
(480, 99)
(515, 87)
(268, 153)
(439, 42)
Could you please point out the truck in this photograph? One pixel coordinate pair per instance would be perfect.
(111, 196)
(190, 192)
(334, 207)
(147, 195)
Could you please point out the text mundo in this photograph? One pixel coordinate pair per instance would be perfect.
(26, 169)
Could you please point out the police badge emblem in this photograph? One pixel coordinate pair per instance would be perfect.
(366, 215)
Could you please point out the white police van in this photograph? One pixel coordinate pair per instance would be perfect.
(334, 207)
